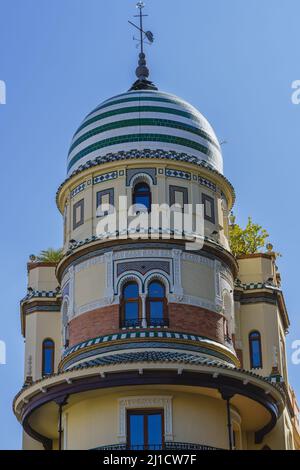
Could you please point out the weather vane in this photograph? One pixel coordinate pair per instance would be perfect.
(146, 37)
(143, 34)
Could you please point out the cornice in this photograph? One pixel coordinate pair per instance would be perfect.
(145, 156)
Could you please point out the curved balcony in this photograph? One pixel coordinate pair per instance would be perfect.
(153, 322)
(166, 446)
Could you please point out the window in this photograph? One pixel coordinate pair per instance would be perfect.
(130, 305)
(145, 429)
(209, 208)
(255, 350)
(142, 195)
(178, 195)
(48, 357)
(156, 304)
(65, 323)
(104, 197)
(78, 214)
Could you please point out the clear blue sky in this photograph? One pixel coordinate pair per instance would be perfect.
(234, 60)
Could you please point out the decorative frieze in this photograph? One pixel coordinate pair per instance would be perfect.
(105, 177)
(207, 183)
(81, 187)
(173, 173)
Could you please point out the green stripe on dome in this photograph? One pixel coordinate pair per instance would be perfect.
(139, 109)
(140, 98)
(141, 92)
(139, 138)
(143, 122)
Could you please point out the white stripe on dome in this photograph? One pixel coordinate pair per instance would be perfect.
(157, 130)
(146, 115)
(116, 107)
(215, 161)
(196, 122)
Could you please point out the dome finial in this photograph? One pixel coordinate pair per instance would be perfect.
(142, 71)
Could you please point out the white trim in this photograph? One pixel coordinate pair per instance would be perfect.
(160, 276)
(127, 277)
(152, 401)
(140, 178)
(192, 300)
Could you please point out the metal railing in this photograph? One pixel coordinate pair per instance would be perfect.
(153, 321)
(166, 446)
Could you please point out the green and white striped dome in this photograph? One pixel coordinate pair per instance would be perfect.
(139, 120)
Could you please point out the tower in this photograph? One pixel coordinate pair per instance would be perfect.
(133, 340)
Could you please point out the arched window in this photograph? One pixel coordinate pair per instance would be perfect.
(255, 350)
(48, 357)
(156, 304)
(142, 195)
(65, 323)
(130, 305)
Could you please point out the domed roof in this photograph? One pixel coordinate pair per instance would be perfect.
(145, 119)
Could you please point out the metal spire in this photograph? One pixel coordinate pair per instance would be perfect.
(146, 37)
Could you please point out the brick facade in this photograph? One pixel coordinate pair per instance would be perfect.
(182, 318)
(99, 322)
(196, 320)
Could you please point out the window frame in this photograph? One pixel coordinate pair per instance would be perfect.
(78, 204)
(100, 194)
(162, 300)
(149, 192)
(51, 348)
(251, 341)
(125, 301)
(178, 189)
(210, 218)
(145, 412)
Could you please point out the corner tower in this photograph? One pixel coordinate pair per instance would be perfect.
(147, 326)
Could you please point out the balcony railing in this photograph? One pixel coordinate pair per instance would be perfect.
(154, 321)
(166, 446)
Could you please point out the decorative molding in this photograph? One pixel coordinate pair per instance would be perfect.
(112, 175)
(81, 187)
(198, 259)
(72, 292)
(146, 154)
(195, 301)
(178, 289)
(127, 277)
(218, 292)
(208, 184)
(90, 262)
(160, 277)
(176, 173)
(109, 275)
(143, 266)
(142, 254)
(105, 302)
(141, 174)
(139, 402)
(170, 336)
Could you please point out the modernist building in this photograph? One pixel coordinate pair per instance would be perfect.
(142, 343)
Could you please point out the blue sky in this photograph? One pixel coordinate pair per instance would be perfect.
(234, 60)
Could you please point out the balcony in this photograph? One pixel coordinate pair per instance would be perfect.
(153, 322)
(178, 446)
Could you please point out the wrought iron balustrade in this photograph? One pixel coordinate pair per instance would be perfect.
(152, 322)
(166, 446)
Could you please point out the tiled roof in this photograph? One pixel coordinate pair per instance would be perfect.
(136, 335)
(73, 246)
(150, 356)
(256, 285)
(31, 294)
